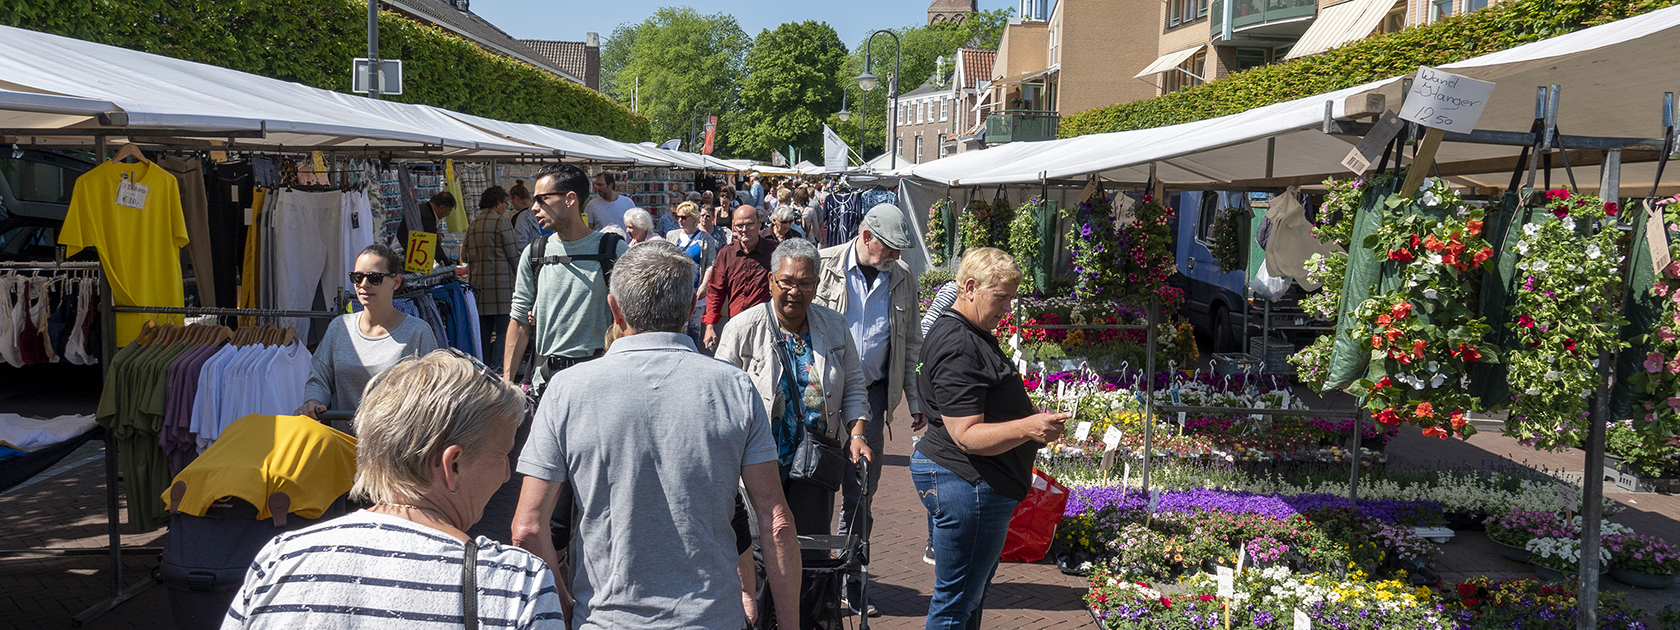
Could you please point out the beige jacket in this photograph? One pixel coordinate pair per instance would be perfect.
(749, 342)
(905, 327)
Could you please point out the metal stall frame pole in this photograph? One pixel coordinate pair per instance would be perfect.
(373, 48)
(1357, 456)
(1592, 492)
(1149, 391)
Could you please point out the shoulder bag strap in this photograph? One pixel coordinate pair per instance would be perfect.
(469, 586)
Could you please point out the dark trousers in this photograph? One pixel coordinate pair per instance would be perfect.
(491, 331)
(855, 514)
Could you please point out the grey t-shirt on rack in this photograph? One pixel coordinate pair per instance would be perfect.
(347, 359)
(652, 438)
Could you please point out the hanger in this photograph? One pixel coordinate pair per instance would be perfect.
(288, 336)
(130, 151)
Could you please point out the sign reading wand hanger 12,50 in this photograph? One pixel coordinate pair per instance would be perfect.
(1446, 101)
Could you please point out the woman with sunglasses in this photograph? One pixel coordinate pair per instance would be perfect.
(358, 346)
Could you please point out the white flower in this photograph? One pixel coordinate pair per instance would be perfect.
(1593, 251)
(1531, 229)
(1539, 266)
(1522, 248)
(1429, 199)
(1552, 375)
(1569, 223)
(1430, 293)
(1434, 259)
(1436, 382)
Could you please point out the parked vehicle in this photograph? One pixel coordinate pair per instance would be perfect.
(35, 188)
(1213, 298)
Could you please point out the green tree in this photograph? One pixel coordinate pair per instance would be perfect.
(686, 64)
(922, 47)
(792, 83)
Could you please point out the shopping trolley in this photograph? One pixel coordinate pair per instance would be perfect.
(828, 559)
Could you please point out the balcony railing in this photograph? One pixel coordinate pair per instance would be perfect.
(1021, 125)
(1247, 13)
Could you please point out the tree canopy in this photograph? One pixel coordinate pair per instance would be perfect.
(792, 84)
(687, 64)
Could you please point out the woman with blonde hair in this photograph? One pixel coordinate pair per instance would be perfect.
(975, 463)
(433, 434)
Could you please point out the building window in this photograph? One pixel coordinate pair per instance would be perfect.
(921, 116)
(1189, 10)
(1248, 58)
(1473, 5)
(1394, 22)
(1180, 78)
(918, 148)
(944, 110)
(1172, 12)
(1202, 8)
(1440, 9)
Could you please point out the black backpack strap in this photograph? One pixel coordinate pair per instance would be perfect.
(538, 248)
(609, 254)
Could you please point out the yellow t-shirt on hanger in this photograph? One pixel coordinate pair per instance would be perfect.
(132, 214)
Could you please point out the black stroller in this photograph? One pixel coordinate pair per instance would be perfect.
(828, 559)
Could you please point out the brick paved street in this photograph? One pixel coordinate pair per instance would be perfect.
(65, 508)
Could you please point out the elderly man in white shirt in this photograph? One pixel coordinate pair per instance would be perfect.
(865, 280)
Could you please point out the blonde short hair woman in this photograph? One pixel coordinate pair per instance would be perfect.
(434, 434)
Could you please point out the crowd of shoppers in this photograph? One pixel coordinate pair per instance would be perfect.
(646, 471)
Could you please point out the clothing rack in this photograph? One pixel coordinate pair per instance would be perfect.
(114, 527)
(227, 312)
(428, 280)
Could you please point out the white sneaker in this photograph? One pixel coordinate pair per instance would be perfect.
(927, 556)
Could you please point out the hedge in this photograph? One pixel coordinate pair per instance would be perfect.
(312, 42)
(1495, 28)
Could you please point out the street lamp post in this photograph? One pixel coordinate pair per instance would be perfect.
(867, 82)
(863, 113)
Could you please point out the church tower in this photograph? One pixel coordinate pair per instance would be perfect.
(951, 11)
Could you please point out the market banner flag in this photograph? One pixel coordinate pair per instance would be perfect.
(777, 159)
(711, 135)
(834, 151)
(672, 144)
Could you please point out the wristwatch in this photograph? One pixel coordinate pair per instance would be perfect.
(859, 436)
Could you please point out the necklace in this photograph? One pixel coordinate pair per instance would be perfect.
(404, 505)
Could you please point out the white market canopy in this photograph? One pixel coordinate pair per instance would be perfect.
(1613, 78)
(1170, 61)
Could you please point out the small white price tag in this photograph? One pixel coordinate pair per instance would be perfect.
(1111, 439)
(1446, 101)
(1371, 146)
(1181, 418)
(1126, 479)
(1242, 557)
(132, 195)
(1154, 500)
(250, 216)
(1302, 621)
(1083, 431)
(233, 193)
(1656, 238)
(1227, 581)
(1565, 497)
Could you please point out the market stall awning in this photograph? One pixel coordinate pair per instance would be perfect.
(1339, 24)
(567, 144)
(1613, 79)
(1169, 61)
(157, 92)
(1024, 76)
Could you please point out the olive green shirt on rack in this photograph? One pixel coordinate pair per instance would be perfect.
(131, 409)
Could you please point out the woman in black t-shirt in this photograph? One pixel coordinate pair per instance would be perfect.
(975, 463)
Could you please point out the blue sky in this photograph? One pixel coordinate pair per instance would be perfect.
(569, 20)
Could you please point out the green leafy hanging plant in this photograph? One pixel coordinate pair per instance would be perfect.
(974, 226)
(1225, 238)
(999, 222)
(1567, 314)
(1424, 334)
(1024, 243)
(935, 238)
(1660, 376)
(1341, 205)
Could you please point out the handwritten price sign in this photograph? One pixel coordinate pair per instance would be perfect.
(1446, 101)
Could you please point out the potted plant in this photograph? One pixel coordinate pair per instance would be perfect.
(1510, 533)
(1266, 552)
(1560, 558)
(1642, 561)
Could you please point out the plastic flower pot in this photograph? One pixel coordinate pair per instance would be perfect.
(1642, 580)
(1514, 554)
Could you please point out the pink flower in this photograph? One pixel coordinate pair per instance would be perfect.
(1674, 401)
(1674, 365)
(1654, 362)
(1665, 333)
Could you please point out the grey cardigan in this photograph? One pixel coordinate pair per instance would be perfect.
(749, 342)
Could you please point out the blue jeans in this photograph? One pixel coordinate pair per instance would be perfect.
(970, 523)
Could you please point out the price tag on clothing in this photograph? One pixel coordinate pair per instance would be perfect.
(1083, 431)
(1227, 580)
(422, 247)
(131, 194)
(233, 193)
(356, 220)
(250, 216)
(1302, 621)
(1111, 439)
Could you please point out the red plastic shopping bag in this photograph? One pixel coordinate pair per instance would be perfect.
(1034, 524)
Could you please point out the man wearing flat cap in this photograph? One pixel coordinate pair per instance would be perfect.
(865, 280)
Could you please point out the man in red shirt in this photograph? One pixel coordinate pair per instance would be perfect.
(740, 275)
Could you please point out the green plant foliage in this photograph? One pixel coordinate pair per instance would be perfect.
(935, 238)
(1501, 26)
(1024, 243)
(687, 65)
(312, 42)
(791, 80)
(974, 226)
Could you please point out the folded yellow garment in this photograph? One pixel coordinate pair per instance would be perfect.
(259, 455)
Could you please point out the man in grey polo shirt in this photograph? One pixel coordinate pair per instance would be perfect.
(652, 439)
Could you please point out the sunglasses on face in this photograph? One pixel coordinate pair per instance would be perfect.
(374, 278)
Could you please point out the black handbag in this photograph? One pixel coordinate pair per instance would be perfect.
(817, 459)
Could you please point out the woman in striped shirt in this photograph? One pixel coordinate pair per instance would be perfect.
(433, 440)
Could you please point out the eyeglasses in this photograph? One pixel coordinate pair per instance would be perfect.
(802, 287)
(540, 196)
(742, 227)
(483, 369)
(682, 217)
(784, 221)
(373, 278)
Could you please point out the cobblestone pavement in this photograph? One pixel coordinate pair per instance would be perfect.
(66, 508)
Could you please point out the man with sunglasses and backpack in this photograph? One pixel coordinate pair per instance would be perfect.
(562, 281)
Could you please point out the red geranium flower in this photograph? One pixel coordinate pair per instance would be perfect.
(1417, 348)
(1424, 410)
(1557, 194)
(1401, 255)
(1610, 208)
(1525, 321)
(1474, 227)
(1384, 383)
(1401, 310)
(1205, 597)
(1376, 341)
(1433, 244)
(1560, 212)
(1434, 432)
(1569, 344)
(1388, 417)
(1414, 241)
(1166, 602)
(1482, 256)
